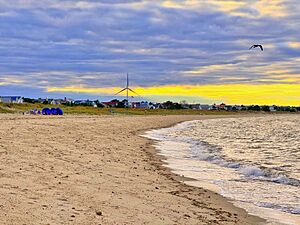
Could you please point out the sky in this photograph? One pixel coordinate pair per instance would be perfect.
(192, 50)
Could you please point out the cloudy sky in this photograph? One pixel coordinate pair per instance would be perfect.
(195, 50)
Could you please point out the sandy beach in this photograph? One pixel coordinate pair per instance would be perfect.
(98, 170)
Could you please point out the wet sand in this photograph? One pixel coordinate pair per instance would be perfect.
(98, 170)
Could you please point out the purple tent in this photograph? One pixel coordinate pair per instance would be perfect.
(54, 111)
(59, 111)
(46, 111)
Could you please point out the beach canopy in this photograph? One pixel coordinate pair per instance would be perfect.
(52, 111)
(59, 111)
(46, 111)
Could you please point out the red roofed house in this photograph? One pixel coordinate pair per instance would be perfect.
(222, 106)
(110, 104)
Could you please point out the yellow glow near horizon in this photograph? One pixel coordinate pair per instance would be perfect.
(279, 94)
(10, 80)
(208, 69)
(294, 44)
(274, 8)
(279, 72)
(182, 4)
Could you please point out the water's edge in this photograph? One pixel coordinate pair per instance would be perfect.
(186, 180)
(271, 215)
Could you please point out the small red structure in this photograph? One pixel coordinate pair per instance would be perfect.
(222, 106)
(110, 104)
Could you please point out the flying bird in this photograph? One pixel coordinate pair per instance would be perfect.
(255, 46)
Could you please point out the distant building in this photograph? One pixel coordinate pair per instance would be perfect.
(272, 108)
(204, 107)
(55, 102)
(237, 107)
(140, 105)
(41, 100)
(85, 103)
(154, 105)
(11, 99)
(222, 106)
(66, 100)
(194, 106)
(185, 105)
(110, 104)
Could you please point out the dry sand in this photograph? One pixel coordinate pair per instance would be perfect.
(97, 170)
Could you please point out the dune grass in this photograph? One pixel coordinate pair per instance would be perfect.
(5, 110)
(88, 110)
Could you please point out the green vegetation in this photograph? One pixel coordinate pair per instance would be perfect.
(88, 110)
(5, 110)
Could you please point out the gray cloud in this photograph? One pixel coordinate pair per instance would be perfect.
(94, 43)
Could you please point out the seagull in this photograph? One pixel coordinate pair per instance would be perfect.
(255, 46)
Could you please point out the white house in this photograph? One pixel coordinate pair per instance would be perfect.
(140, 105)
(11, 99)
(55, 102)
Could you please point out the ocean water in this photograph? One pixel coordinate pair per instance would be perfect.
(254, 161)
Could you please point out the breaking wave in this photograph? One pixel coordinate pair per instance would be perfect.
(256, 151)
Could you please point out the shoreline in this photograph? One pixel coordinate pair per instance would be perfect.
(158, 161)
(179, 161)
(98, 170)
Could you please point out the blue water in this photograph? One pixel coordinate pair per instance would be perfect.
(254, 161)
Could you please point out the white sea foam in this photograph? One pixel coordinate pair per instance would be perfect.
(252, 171)
(256, 159)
